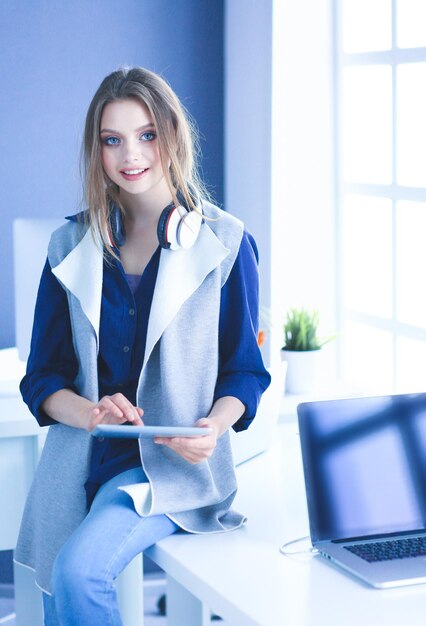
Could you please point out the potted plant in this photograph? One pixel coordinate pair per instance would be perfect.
(301, 349)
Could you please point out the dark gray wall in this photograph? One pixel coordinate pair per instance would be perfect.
(53, 55)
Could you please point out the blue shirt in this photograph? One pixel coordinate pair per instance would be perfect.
(52, 364)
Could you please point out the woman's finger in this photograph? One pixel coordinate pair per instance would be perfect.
(192, 449)
(96, 417)
(129, 411)
(106, 403)
(114, 410)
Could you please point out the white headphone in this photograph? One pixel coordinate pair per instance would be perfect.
(178, 227)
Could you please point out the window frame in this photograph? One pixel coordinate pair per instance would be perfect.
(393, 191)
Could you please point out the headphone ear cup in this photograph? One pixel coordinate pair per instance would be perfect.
(189, 229)
(177, 227)
(162, 226)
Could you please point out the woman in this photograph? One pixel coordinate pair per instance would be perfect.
(146, 314)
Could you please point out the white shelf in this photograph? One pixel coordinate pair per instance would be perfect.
(12, 371)
(329, 391)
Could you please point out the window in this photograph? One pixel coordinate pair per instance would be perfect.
(381, 183)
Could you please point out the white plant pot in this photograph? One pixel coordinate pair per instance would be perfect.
(303, 369)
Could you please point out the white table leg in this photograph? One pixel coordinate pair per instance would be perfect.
(18, 459)
(130, 593)
(28, 598)
(183, 607)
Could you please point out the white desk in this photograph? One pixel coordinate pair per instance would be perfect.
(243, 577)
(239, 575)
(19, 446)
(20, 440)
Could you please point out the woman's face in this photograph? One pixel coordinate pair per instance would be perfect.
(130, 151)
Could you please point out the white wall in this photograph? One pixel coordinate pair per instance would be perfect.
(279, 149)
(302, 192)
(248, 62)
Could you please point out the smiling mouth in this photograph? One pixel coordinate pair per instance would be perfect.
(133, 172)
(134, 175)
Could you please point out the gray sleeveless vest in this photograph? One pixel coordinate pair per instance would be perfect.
(176, 387)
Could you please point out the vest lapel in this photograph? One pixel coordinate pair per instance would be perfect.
(180, 273)
(81, 272)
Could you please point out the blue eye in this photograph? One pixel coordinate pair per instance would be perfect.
(111, 141)
(148, 136)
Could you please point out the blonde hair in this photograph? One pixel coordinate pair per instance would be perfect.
(177, 141)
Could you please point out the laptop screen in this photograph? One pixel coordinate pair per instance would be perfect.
(364, 462)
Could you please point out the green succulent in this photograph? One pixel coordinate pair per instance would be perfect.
(301, 331)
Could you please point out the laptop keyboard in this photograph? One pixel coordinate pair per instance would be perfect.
(389, 550)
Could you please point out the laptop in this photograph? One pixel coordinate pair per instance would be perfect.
(364, 462)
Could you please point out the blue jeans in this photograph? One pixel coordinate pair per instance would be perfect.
(84, 572)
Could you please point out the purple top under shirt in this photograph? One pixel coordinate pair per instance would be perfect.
(133, 280)
(125, 308)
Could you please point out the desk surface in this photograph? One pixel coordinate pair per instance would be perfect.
(11, 371)
(243, 577)
(15, 418)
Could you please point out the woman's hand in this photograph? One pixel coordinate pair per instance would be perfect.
(116, 409)
(225, 412)
(193, 449)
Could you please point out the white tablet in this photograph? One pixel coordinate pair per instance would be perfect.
(127, 431)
